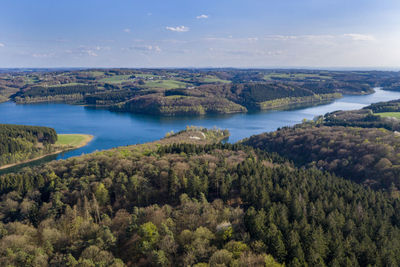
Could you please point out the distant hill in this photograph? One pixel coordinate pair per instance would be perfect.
(172, 92)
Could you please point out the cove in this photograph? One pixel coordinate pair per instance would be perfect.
(112, 129)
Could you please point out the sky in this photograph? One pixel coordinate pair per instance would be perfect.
(205, 33)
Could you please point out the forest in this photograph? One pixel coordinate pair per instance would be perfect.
(364, 155)
(390, 106)
(173, 92)
(364, 118)
(19, 143)
(361, 145)
(182, 201)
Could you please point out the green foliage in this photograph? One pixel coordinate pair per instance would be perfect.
(190, 92)
(364, 155)
(148, 236)
(101, 194)
(54, 93)
(391, 106)
(182, 105)
(230, 205)
(18, 143)
(292, 101)
(389, 114)
(359, 118)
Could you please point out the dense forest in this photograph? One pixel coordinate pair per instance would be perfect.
(63, 93)
(19, 143)
(172, 203)
(361, 145)
(364, 155)
(189, 91)
(390, 106)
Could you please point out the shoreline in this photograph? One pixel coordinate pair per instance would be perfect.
(88, 139)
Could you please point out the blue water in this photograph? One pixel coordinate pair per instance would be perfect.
(119, 129)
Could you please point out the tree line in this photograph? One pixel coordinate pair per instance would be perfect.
(19, 142)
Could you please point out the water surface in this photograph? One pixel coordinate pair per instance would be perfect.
(119, 129)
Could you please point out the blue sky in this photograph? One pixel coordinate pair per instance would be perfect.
(206, 33)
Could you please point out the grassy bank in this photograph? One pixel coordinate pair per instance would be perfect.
(73, 140)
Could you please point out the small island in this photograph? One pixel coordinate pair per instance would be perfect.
(22, 144)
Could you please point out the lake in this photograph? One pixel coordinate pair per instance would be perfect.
(119, 129)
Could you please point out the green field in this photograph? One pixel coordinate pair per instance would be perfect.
(96, 73)
(165, 84)
(73, 140)
(213, 79)
(389, 114)
(141, 75)
(116, 79)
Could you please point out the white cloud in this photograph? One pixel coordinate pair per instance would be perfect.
(43, 55)
(127, 30)
(91, 53)
(178, 29)
(83, 50)
(360, 37)
(2, 45)
(104, 48)
(299, 37)
(148, 48)
(202, 17)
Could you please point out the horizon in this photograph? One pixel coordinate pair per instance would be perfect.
(354, 69)
(362, 34)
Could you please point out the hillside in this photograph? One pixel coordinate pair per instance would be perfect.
(195, 203)
(364, 155)
(172, 92)
(360, 145)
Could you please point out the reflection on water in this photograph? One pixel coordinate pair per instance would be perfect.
(113, 129)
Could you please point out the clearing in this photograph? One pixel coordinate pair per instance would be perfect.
(389, 114)
(73, 140)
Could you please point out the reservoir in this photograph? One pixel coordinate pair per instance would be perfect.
(120, 129)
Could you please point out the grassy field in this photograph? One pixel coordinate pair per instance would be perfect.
(165, 84)
(389, 114)
(141, 75)
(116, 79)
(213, 79)
(96, 73)
(73, 140)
